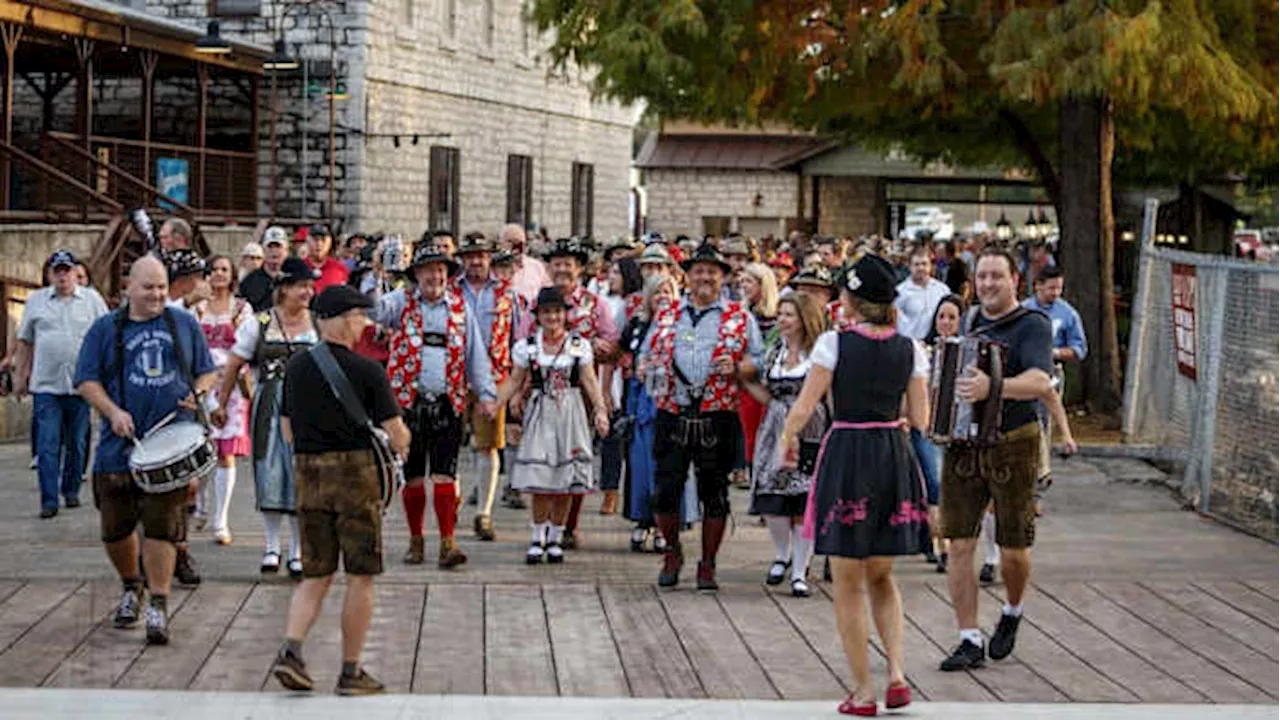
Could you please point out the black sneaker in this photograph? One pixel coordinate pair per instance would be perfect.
(361, 683)
(941, 568)
(184, 569)
(930, 556)
(127, 611)
(157, 626)
(987, 574)
(966, 656)
(72, 501)
(1003, 638)
(46, 513)
(291, 671)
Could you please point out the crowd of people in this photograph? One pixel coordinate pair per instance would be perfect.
(657, 373)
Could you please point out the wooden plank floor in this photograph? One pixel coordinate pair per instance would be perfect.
(1124, 642)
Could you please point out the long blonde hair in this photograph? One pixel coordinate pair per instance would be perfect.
(768, 305)
(651, 286)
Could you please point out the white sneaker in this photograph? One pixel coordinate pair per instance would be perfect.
(555, 553)
(534, 555)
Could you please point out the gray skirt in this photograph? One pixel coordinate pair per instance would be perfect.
(273, 484)
(555, 455)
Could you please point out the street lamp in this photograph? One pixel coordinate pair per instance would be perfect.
(1031, 230)
(1046, 227)
(211, 43)
(1004, 231)
(280, 60)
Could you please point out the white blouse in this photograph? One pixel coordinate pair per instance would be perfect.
(779, 371)
(827, 350)
(576, 351)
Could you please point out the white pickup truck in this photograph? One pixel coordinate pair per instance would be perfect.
(928, 221)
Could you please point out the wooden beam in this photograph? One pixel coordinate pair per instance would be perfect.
(202, 117)
(60, 22)
(10, 34)
(84, 103)
(253, 132)
(148, 60)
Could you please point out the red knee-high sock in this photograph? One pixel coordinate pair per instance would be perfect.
(415, 507)
(445, 498)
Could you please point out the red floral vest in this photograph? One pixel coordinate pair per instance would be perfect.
(721, 393)
(835, 316)
(581, 315)
(504, 310)
(405, 362)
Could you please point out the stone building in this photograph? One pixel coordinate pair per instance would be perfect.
(713, 179)
(448, 118)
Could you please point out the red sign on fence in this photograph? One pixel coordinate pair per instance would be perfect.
(1184, 318)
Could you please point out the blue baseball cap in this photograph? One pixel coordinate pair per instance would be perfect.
(62, 257)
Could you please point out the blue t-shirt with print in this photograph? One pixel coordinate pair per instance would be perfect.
(152, 377)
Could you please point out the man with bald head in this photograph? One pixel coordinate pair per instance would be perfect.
(531, 273)
(137, 366)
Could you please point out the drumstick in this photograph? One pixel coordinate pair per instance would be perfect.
(163, 421)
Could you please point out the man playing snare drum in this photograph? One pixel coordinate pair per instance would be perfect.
(133, 397)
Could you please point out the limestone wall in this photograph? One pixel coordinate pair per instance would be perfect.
(847, 206)
(755, 201)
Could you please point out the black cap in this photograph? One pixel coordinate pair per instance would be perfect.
(319, 230)
(337, 299)
(873, 280)
(61, 257)
(707, 253)
(432, 249)
(569, 247)
(549, 297)
(294, 270)
(182, 262)
(504, 257)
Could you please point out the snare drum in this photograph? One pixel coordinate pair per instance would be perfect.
(171, 457)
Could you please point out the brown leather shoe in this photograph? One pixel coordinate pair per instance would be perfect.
(571, 540)
(416, 554)
(484, 528)
(450, 556)
(609, 505)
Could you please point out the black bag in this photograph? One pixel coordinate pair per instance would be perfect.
(808, 460)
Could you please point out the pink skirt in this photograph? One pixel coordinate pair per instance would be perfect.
(237, 446)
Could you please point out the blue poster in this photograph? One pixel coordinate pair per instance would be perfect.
(171, 180)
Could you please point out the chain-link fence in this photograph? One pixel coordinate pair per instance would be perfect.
(1202, 375)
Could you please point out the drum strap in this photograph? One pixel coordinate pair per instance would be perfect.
(339, 385)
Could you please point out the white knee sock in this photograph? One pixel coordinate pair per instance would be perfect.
(780, 531)
(555, 533)
(990, 553)
(271, 521)
(295, 540)
(539, 533)
(801, 551)
(224, 481)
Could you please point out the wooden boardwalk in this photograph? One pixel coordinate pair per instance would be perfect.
(1105, 641)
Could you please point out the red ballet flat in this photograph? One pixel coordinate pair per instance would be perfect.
(852, 707)
(897, 695)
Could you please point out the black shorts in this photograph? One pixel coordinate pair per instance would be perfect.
(123, 505)
(436, 437)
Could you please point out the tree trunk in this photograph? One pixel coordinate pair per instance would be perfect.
(1087, 142)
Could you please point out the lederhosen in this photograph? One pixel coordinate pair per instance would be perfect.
(710, 439)
(435, 426)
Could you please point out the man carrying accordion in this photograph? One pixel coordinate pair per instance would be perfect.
(335, 408)
(993, 449)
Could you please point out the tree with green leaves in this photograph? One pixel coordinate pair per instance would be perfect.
(1180, 91)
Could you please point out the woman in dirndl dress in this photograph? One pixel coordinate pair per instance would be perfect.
(554, 462)
(779, 493)
(639, 406)
(867, 501)
(267, 344)
(219, 317)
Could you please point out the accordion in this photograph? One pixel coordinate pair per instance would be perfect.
(951, 419)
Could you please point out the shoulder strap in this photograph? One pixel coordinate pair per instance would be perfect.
(177, 348)
(121, 316)
(339, 385)
(1010, 318)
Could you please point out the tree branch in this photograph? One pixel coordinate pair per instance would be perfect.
(1030, 146)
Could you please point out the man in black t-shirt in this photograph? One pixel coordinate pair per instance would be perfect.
(1004, 474)
(258, 286)
(339, 493)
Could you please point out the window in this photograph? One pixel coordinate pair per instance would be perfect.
(14, 294)
(583, 192)
(230, 8)
(489, 29)
(519, 189)
(450, 18)
(445, 162)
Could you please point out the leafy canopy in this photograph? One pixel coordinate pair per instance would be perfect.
(1192, 82)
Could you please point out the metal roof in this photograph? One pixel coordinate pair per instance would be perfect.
(723, 152)
(125, 15)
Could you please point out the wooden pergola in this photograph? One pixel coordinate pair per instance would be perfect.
(56, 45)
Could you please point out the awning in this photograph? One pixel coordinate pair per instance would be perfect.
(723, 153)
